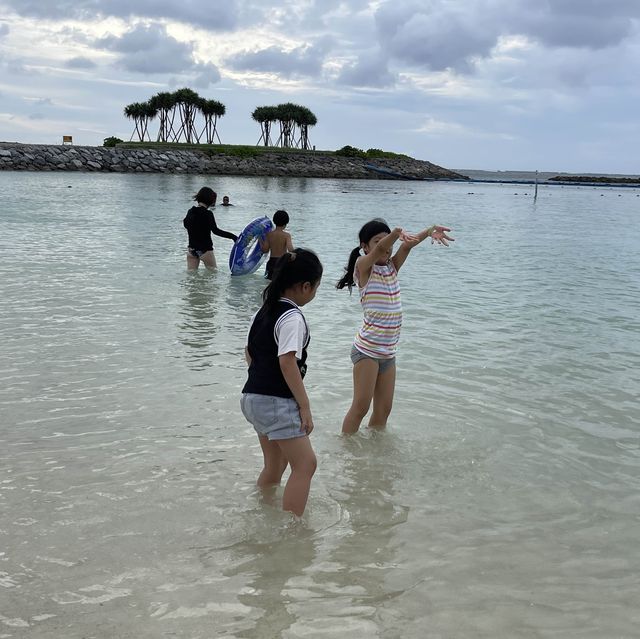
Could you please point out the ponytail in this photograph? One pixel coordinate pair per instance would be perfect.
(347, 278)
(297, 267)
(369, 230)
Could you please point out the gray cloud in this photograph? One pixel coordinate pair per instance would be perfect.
(207, 74)
(441, 35)
(304, 60)
(436, 36)
(369, 71)
(149, 49)
(80, 62)
(4, 30)
(212, 15)
(568, 23)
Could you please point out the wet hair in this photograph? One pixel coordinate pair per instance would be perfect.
(206, 196)
(369, 230)
(281, 218)
(297, 267)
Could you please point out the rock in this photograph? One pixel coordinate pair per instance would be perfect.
(14, 156)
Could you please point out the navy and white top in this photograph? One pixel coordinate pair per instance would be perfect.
(271, 335)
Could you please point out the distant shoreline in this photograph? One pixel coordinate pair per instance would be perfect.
(550, 179)
(603, 179)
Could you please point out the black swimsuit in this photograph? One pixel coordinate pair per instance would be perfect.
(200, 223)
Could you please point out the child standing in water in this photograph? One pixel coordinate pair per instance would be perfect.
(274, 399)
(374, 348)
(278, 242)
(200, 223)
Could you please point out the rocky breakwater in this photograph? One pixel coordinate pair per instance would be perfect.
(39, 157)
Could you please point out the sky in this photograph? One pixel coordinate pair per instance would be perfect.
(552, 85)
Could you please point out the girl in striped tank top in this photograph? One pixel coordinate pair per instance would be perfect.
(374, 348)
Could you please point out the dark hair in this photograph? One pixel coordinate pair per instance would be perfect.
(299, 266)
(206, 196)
(369, 230)
(281, 218)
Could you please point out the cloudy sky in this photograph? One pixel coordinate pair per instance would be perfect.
(495, 84)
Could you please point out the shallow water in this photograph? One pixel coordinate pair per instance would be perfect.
(502, 501)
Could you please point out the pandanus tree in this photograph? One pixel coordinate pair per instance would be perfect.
(305, 118)
(287, 118)
(265, 116)
(164, 104)
(211, 110)
(141, 113)
(187, 105)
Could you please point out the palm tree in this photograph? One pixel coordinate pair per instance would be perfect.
(187, 103)
(147, 113)
(135, 111)
(265, 116)
(164, 103)
(211, 110)
(286, 114)
(305, 118)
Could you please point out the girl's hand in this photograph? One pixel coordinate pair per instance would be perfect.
(439, 235)
(408, 237)
(306, 420)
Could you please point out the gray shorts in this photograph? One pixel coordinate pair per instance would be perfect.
(383, 364)
(273, 417)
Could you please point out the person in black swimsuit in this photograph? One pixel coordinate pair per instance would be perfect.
(200, 223)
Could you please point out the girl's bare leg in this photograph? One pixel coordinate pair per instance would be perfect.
(209, 259)
(192, 262)
(302, 460)
(383, 398)
(365, 374)
(275, 463)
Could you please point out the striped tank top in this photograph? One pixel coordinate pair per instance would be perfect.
(380, 298)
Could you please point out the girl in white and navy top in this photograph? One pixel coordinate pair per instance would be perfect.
(274, 399)
(374, 348)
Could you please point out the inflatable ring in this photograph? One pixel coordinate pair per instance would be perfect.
(246, 253)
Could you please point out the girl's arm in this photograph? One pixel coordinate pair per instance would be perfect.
(291, 374)
(435, 232)
(365, 263)
(247, 357)
(218, 231)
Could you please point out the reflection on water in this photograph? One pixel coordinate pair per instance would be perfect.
(198, 323)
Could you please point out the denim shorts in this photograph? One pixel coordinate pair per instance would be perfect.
(384, 364)
(273, 417)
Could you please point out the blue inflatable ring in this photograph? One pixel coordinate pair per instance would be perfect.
(246, 253)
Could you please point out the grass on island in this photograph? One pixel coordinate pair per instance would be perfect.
(247, 151)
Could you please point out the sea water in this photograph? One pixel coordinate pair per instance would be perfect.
(503, 500)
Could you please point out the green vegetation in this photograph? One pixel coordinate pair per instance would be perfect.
(245, 150)
(289, 116)
(184, 116)
(354, 152)
(111, 141)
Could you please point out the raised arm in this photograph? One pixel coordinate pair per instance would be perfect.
(436, 233)
(365, 263)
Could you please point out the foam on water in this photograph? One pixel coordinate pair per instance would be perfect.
(502, 501)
